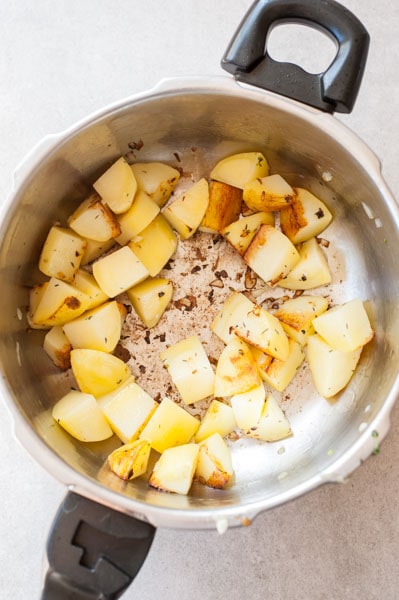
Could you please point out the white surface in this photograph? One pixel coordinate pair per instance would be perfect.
(60, 61)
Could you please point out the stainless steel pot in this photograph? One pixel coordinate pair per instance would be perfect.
(218, 116)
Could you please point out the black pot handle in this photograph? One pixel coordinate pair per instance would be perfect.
(94, 552)
(334, 90)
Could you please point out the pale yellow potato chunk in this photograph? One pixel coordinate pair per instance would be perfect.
(117, 186)
(85, 282)
(57, 303)
(247, 406)
(170, 425)
(273, 425)
(268, 193)
(131, 460)
(219, 418)
(155, 245)
(94, 220)
(223, 208)
(279, 373)
(239, 169)
(150, 299)
(186, 212)
(271, 255)
(263, 330)
(345, 327)
(233, 312)
(305, 217)
(190, 370)
(58, 347)
(157, 179)
(62, 253)
(236, 370)
(296, 316)
(97, 372)
(311, 271)
(174, 470)
(214, 465)
(240, 233)
(79, 414)
(119, 271)
(331, 369)
(98, 329)
(95, 249)
(138, 217)
(127, 410)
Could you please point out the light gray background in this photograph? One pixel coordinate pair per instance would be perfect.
(61, 60)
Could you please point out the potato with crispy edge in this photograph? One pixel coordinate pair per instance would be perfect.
(94, 220)
(268, 193)
(223, 208)
(236, 370)
(305, 217)
(214, 465)
(271, 255)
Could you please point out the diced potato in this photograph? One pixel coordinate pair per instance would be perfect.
(79, 414)
(214, 465)
(119, 271)
(155, 245)
(138, 217)
(268, 193)
(157, 179)
(261, 329)
(95, 249)
(85, 282)
(190, 369)
(219, 418)
(236, 370)
(247, 407)
(186, 212)
(263, 360)
(117, 186)
(239, 169)
(311, 271)
(296, 316)
(273, 425)
(223, 208)
(345, 327)
(98, 329)
(241, 233)
(233, 312)
(170, 425)
(97, 372)
(62, 253)
(59, 303)
(174, 470)
(305, 217)
(271, 255)
(58, 347)
(35, 295)
(280, 373)
(131, 460)
(94, 220)
(331, 369)
(150, 299)
(127, 410)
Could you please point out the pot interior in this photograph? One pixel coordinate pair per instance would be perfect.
(192, 129)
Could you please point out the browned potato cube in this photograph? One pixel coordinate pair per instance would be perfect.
(223, 208)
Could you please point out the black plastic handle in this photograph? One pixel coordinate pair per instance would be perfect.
(334, 90)
(94, 552)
